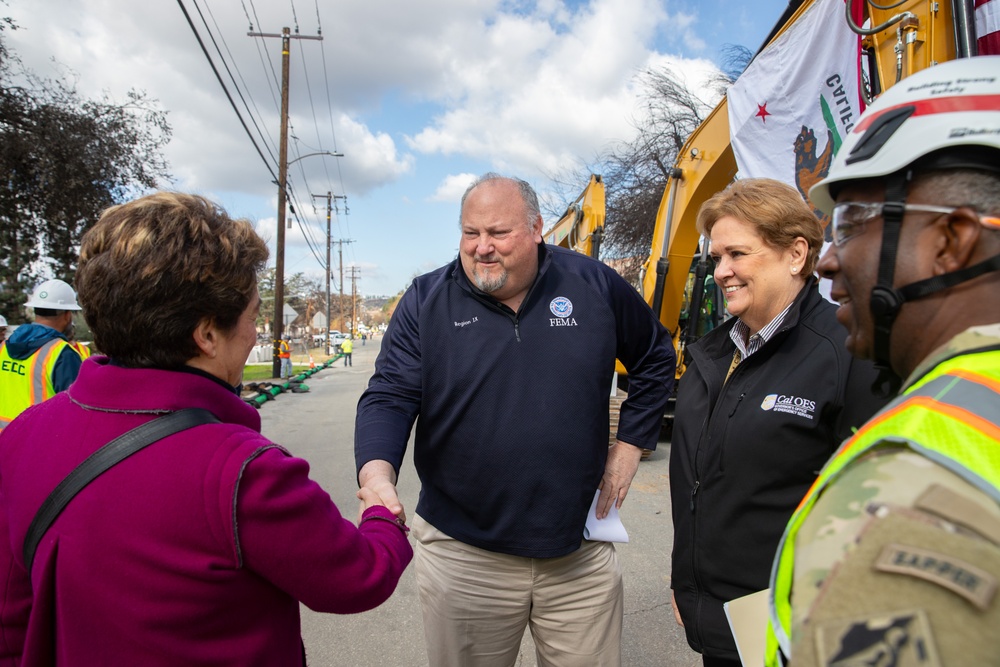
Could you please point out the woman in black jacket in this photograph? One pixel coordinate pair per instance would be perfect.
(765, 400)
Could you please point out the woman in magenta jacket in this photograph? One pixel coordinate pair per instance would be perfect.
(198, 549)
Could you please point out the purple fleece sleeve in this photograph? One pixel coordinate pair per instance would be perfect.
(291, 533)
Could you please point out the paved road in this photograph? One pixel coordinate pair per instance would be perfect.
(319, 427)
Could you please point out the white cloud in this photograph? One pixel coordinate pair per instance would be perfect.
(684, 24)
(532, 99)
(453, 187)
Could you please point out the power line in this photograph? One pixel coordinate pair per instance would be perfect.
(295, 18)
(249, 104)
(228, 70)
(224, 89)
(312, 107)
(264, 61)
(232, 103)
(329, 101)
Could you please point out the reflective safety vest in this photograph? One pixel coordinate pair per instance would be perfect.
(24, 383)
(82, 349)
(284, 350)
(959, 398)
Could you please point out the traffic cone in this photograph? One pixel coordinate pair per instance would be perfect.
(312, 364)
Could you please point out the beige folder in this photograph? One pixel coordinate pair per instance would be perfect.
(747, 618)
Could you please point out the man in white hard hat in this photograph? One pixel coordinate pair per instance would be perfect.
(893, 556)
(38, 361)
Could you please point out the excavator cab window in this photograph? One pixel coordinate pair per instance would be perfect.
(702, 306)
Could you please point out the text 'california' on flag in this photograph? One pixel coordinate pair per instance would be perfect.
(988, 27)
(797, 100)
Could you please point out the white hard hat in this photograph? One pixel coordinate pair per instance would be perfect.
(55, 295)
(952, 105)
(3, 321)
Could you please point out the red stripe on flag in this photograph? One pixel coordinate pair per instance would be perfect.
(938, 105)
(980, 3)
(989, 45)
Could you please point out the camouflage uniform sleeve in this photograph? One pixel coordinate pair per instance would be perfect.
(897, 564)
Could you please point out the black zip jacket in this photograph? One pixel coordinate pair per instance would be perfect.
(744, 453)
(512, 437)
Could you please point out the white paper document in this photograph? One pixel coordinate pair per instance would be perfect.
(608, 529)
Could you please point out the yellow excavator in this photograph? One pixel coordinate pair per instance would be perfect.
(898, 38)
(581, 227)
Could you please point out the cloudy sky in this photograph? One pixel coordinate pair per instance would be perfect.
(417, 96)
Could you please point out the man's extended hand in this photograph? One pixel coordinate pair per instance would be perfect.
(380, 477)
(623, 461)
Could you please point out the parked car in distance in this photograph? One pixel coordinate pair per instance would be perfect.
(336, 338)
(322, 336)
(336, 341)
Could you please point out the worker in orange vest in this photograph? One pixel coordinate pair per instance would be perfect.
(285, 355)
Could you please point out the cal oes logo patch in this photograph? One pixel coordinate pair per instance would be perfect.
(561, 306)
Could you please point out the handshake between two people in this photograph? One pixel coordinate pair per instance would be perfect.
(377, 480)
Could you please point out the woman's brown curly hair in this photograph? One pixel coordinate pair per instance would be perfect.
(150, 270)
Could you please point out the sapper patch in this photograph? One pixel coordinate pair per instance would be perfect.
(974, 584)
(902, 640)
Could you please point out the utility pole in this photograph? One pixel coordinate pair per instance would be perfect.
(354, 298)
(279, 258)
(341, 243)
(329, 209)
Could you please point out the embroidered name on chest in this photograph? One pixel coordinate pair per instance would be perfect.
(793, 405)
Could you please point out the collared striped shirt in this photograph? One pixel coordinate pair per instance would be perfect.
(747, 344)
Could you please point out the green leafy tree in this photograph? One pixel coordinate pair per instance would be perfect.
(63, 160)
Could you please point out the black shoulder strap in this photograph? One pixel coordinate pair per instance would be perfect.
(107, 456)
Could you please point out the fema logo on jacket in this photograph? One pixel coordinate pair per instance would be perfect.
(562, 308)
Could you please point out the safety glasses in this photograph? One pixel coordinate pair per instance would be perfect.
(849, 219)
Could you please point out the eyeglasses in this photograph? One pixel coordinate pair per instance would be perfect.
(849, 219)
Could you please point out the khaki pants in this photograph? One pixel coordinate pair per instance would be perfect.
(476, 603)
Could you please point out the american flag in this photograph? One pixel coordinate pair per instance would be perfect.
(988, 27)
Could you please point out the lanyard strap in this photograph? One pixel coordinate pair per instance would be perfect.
(104, 458)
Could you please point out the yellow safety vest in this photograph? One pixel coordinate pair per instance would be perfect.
(959, 397)
(82, 349)
(29, 381)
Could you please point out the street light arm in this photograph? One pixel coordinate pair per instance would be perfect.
(291, 162)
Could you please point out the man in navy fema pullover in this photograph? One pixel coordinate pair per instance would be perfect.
(508, 356)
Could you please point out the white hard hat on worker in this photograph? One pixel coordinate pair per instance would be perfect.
(952, 105)
(942, 119)
(55, 295)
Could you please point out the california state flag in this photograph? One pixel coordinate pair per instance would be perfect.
(791, 109)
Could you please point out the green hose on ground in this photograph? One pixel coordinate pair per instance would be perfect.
(267, 391)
